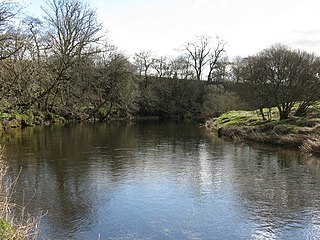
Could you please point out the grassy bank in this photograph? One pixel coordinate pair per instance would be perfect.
(15, 223)
(295, 132)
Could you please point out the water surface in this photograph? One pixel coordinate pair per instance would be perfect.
(162, 180)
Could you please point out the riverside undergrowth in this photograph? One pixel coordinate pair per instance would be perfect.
(302, 133)
(15, 222)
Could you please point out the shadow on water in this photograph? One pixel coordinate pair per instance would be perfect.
(162, 180)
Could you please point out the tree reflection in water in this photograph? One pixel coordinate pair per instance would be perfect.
(162, 180)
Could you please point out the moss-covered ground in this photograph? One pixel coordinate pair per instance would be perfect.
(14, 119)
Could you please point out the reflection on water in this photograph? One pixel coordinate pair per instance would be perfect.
(160, 180)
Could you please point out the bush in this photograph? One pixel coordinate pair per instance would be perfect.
(218, 101)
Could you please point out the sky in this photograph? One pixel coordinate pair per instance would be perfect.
(247, 26)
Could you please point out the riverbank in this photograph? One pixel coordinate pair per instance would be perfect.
(15, 223)
(297, 132)
(9, 120)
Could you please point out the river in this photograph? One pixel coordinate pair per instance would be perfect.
(161, 180)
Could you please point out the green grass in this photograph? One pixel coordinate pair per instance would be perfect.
(251, 120)
(6, 230)
(237, 118)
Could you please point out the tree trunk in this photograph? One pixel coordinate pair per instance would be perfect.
(301, 112)
(284, 114)
(262, 114)
(93, 114)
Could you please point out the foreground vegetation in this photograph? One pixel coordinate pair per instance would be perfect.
(297, 132)
(15, 223)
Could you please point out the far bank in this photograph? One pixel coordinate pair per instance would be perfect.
(302, 133)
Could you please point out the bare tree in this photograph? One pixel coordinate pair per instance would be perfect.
(72, 32)
(36, 42)
(72, 28)
(204, 55)
(280, 77)
(216, 62)
(117, 87)
(311, 92)
(251, 84)
(161, 66)
(10, 39)
(222, 71)
(143, 61)
(180, 67)
(199, 51)
(290, 74)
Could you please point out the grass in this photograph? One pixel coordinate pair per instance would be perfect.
(311, 146)
(7, 231)
(15, 223)
(297, 132)
(237, 118)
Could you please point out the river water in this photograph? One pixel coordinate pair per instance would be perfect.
(161, 180)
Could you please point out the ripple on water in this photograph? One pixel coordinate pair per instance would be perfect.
(164, 181)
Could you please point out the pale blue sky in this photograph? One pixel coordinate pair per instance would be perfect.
(247, 25)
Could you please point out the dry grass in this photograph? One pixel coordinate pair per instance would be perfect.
(291, 140)
(311, 146)
(15, 222)
(307, 141)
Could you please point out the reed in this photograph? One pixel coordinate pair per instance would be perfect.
(15, 222)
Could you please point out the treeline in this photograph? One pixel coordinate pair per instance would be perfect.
(62, 64)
